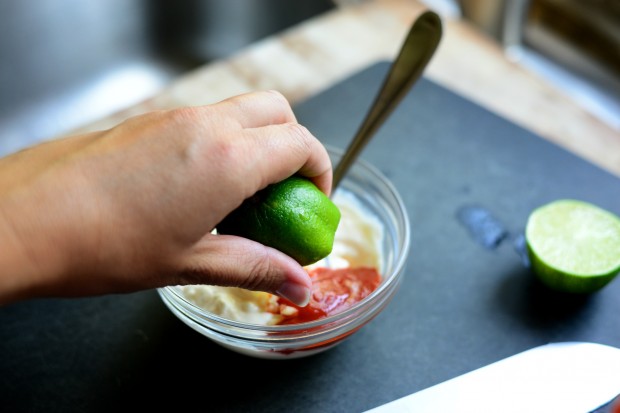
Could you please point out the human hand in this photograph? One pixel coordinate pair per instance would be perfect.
(133, 207)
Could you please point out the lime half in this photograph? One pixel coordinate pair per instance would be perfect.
(293, 216)
(573, 246)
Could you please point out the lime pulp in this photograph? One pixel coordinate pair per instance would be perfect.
(574, 246)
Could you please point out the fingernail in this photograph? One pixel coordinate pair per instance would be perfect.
(296, 293)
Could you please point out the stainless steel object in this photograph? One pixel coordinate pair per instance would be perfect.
(67, 63)
(415, 53)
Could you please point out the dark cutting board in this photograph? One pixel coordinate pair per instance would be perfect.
(461, 306)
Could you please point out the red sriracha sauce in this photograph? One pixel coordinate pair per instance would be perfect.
(333, 291)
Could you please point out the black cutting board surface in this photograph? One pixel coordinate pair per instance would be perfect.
(461, 305)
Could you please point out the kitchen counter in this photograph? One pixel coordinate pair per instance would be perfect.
(314, 55)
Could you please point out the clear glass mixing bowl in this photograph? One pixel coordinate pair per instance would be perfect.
(379, 198)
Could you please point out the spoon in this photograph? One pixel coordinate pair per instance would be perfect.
(415, 53)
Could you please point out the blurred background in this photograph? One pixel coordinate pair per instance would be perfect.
(65, 63)
(68, 62)
(574, 44)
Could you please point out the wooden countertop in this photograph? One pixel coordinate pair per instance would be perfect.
(319, 52)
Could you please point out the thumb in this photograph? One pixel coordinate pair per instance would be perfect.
(231, 261)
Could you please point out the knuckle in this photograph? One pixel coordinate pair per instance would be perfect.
(225, 152)
(301, 135)
(302, 142)
(278, 98)
(281, 104)
(188, 276)
(260, 275)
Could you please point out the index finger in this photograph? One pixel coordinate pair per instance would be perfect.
(279, 151)
(257, 109)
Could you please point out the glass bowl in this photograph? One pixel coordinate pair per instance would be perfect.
(378, 197)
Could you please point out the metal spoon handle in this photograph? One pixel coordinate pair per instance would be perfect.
(416, 51)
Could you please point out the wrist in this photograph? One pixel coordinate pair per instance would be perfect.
(17, 271)
(28, 264)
